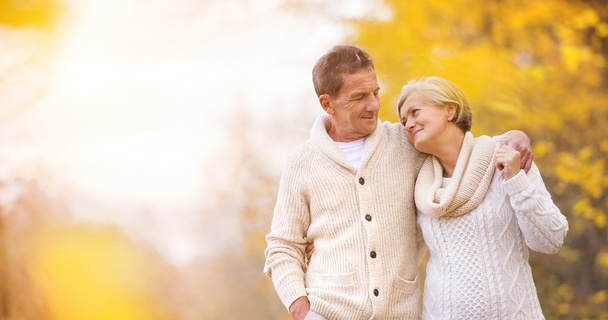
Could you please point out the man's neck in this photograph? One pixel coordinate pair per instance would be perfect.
(338, 136)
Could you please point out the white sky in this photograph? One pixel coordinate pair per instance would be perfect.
(144, 98)
(148, 97)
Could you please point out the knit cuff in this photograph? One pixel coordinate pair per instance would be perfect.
(291, 293)
(517, 183)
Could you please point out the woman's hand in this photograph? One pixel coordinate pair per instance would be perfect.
(508, 160)
(310, 249)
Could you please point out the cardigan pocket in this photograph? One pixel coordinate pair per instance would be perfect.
(406, 285)
(405, 299)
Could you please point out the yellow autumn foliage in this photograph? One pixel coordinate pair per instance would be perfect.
(539, 66)
(90, 273)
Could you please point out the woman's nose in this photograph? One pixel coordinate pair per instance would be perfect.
(410, 124)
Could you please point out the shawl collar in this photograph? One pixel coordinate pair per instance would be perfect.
(470, 182)
(319, 136)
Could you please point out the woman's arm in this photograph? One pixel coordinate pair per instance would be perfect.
(543, 225)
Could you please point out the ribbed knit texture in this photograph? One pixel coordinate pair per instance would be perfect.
(348, 214)
(478, 266)
(471, 179)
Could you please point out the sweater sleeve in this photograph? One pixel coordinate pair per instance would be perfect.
(543, 225)
(421, 247)
(285, 253)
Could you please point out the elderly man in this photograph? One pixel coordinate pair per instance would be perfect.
(349, 189)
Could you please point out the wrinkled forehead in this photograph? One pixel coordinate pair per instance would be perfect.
(362, 80)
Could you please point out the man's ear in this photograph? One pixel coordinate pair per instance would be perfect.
(325, 101)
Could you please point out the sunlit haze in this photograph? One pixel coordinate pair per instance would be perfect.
(143, 105)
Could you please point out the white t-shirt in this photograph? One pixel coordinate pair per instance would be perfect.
(353, 150)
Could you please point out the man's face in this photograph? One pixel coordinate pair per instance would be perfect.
(354, 110)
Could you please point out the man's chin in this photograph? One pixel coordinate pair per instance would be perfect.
(371, 129)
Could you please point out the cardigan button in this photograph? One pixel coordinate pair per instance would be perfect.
(361, 181)
(376, 292)
(368, 217)
(373, 254)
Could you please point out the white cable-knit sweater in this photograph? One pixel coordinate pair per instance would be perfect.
(478, 266)
(362, 222)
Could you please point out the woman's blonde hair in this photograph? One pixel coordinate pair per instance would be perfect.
(443, 93)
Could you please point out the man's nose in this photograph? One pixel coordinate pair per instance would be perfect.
(373, 104)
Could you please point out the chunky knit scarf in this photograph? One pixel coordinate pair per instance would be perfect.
(470, 181)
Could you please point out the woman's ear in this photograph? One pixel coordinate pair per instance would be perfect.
(325, 101)
(450, 110)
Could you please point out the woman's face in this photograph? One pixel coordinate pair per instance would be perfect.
(425, 122)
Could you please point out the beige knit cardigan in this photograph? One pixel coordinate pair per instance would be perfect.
(362, 223)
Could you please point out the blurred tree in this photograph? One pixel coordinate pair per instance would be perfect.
(92, 272)
(230, 283)
(253, 195)
(540, 66)
(19, 220)
(27, 32)
(52, 267)
(24, 28)
(38, 14)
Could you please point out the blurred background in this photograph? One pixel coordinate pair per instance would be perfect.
(141, 142)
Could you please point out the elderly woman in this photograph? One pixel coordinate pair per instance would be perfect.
(478, 212)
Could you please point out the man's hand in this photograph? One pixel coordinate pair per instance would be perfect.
(520, 142)
(299, 308)
(507, 159)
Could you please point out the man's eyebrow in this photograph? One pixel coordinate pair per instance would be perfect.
(356, 94)
(360, 93)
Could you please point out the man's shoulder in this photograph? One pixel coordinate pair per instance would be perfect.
(396, 132)
(393, 125)
(301, 151)
(398, 143)
(393, 128)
